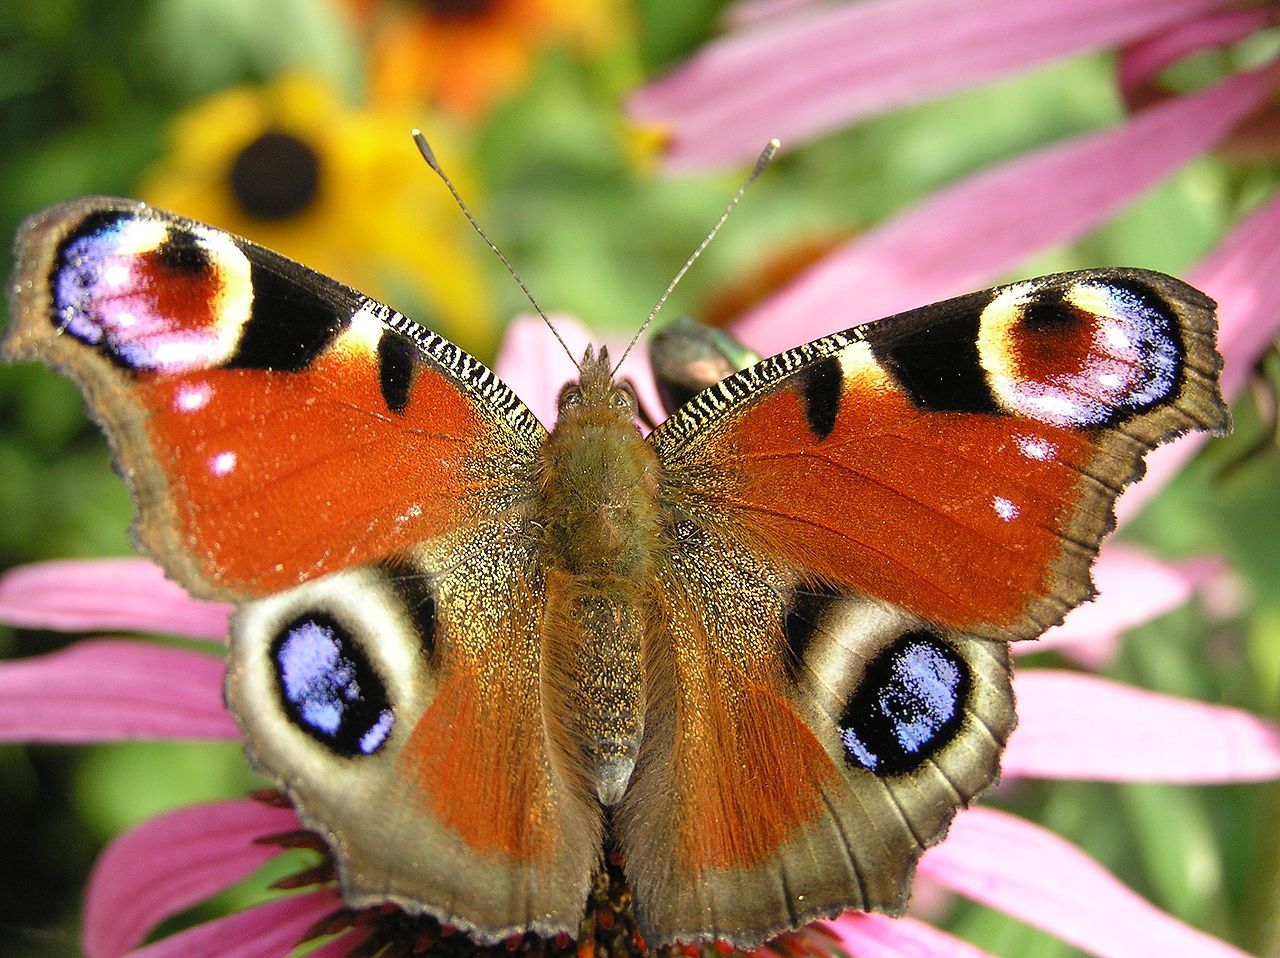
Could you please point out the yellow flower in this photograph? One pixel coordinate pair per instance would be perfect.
(464, 55)
(342, 190)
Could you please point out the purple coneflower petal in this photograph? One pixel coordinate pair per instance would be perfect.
(264, 931)
(753, 12)
(104, 690)
(82, 595)
(825, 68)
(1072, 725)
(1033, 875)
(172, 862)
(1243, 275)
(878, 936)
(1139, 63)
(1133, 587)
(964, 236)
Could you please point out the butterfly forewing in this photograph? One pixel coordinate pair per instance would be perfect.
(960, 460)
(274, 424)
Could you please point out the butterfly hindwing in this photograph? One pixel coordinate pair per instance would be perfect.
(805, 749)
(274, 424)
(400, 706)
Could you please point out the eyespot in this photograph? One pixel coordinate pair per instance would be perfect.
(328, 688)
(1089, 355)
(152, 295)
(909, 704)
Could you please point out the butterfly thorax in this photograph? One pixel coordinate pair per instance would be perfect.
(599, 481)
(599, 512)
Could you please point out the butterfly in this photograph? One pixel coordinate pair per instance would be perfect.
(762, 651)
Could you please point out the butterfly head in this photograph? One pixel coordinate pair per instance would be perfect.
(596, 393)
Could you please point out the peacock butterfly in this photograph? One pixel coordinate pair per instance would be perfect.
(763, 650)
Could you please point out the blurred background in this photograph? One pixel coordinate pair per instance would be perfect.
(287, 121)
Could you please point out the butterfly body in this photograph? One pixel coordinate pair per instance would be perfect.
(601, 524)
(762, 650)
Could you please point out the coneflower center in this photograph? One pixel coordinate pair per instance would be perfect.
(275, 176)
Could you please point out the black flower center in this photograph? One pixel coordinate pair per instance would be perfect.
(276, 176)
(458, 9)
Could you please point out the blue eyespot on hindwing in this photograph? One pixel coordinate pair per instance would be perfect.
(909, 704)
(328, 688)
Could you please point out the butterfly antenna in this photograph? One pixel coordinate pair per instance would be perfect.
(429, 155)
(761, 162)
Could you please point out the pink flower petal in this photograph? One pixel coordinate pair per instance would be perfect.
(1072, 725)
(264, 931)
(966, 235)
(1243, 275)
(108, 689)
(878, 936)
(1035, 876)
(752, 12)
(172, 862)
(1139, 63)
(827, 67)
(82, 595)
(1133, 588)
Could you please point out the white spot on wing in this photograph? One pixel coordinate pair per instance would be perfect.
(1033, 447)
(365, 330)
(413, 512)
(141, 235)
(223, 463)
(1116, 337)
(179, 353)
(1055, 409)
(192, 397)
(858, 364)
(1005, 509)
(115, 275)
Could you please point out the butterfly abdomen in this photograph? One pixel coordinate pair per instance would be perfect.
(592, 667)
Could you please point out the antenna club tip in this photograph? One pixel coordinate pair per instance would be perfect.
(424, 147)
(766, 156)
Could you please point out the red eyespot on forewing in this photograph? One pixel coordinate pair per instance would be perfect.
(149, 296)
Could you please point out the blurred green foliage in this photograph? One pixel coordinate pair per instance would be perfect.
(87, 88)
